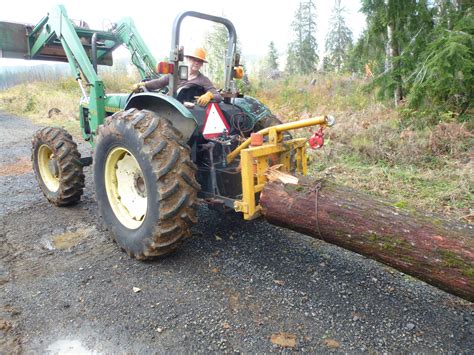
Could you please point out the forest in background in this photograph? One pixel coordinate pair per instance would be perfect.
(417, 53)
(401, 94)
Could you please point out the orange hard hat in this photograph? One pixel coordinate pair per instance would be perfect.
(199, 53)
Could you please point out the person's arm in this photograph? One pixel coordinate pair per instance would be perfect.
(204, 81)
(159, 83)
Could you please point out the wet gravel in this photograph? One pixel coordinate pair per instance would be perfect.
(229, 288)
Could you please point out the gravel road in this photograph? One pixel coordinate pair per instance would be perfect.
(235, 286)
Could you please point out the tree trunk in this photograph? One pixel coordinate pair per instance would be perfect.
(393, 54)
(432, 249)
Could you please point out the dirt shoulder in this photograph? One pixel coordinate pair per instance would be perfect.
(234, 286)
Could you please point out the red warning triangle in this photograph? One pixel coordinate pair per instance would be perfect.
(215, 124)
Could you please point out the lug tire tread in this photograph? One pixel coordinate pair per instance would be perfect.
(71, 182)
(169, 159)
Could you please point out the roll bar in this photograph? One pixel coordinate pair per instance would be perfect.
(176, 53)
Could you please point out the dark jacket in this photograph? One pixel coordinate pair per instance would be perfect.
(200, 80)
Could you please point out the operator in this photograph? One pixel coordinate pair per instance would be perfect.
(196, 81)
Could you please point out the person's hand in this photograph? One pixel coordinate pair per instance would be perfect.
(138, 87)
(203, 100)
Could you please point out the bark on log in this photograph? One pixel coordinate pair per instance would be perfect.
(436, 251)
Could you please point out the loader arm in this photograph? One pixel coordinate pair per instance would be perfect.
(56, 26)
(142, 58)
(57, 38)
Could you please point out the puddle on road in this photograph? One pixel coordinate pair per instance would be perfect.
(69, 239)
(69, 347)
(66, 240)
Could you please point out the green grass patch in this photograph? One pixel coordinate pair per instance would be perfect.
(45, 103)
(445, 191)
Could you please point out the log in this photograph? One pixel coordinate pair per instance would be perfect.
(428, 247)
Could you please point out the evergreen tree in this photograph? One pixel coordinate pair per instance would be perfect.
(421, 50)
(397, 32)
(338, 40)
(268, 66)
(272, 57)
(302, 52)
(291, 60)
(444, 75)
(215, 45)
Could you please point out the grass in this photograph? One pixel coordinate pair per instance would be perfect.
(372, 147)
(440, 190)
(390, 153)
(36, 100)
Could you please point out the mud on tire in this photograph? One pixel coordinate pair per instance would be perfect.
(145, 183)
(57, 166)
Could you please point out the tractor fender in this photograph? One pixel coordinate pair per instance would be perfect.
(167, 107)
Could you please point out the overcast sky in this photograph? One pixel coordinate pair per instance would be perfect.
(257, 22)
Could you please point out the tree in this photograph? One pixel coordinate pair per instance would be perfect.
(272, 57)
(215, 45)
(444, 75)
(421, 51)
(292, 60)
(338, 40)
(268, 66)
(399, 29)
(302, 52)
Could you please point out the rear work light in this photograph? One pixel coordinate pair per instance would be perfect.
(164, 68)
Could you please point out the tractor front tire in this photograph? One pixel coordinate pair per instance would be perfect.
(57, 166)
(145, 183)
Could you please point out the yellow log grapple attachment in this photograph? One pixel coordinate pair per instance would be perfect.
(255, 160)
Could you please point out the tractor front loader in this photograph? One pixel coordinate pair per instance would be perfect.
(154, 156)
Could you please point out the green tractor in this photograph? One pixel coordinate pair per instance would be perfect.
(152, 158)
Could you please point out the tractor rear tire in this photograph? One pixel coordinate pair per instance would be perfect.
(57, 166)
(145, 183)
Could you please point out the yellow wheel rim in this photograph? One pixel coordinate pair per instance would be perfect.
(126, 188)
(48, 168)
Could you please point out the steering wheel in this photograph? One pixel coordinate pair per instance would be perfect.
(189, 93)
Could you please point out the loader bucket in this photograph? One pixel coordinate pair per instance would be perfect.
(13, 40)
